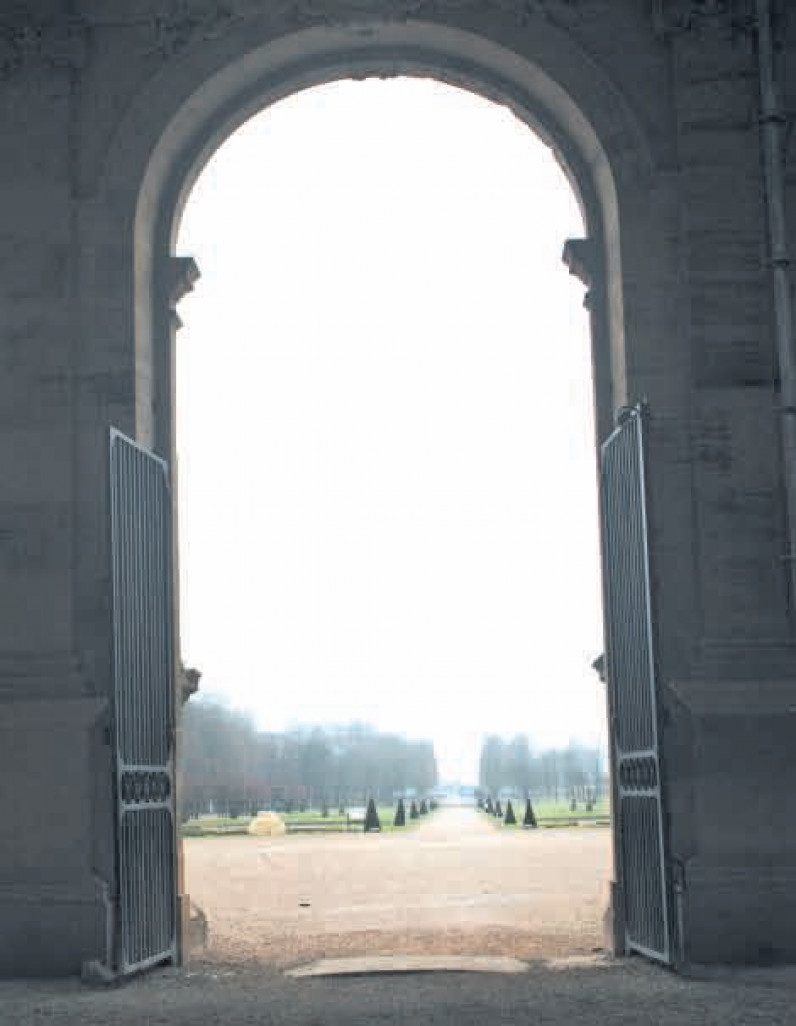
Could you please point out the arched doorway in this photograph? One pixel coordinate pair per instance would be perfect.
(407, 298)
(197, 128)
(193, 77)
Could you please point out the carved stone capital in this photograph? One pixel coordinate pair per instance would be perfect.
(189, 682)
(675, 16)
(61, 42)
(183, 273)
(582, 258)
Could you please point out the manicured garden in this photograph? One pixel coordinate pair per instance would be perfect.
(308, 821)
(554, 814)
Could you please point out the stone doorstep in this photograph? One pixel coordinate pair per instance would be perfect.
(408, 964)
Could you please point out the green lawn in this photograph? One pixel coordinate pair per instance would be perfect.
(550, 814)
(220, 826)
(386, 817)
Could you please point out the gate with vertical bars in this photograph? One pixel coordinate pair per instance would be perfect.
(143, 706)
(631, 676)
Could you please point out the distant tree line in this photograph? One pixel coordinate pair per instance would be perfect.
(554, 774)
(227, 766)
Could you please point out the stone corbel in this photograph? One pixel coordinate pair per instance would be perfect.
(580, 256)
(183, 274)
(189, 682)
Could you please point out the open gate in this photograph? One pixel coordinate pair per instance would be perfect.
(143, 707)
(631, 677)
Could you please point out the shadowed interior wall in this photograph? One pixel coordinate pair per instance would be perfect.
(107, 116)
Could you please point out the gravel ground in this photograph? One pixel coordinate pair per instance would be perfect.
(463, 887)
(626, 993)
(457, 884)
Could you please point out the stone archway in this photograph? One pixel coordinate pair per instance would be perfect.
(196, 129)
(132, 108)
(160, 171)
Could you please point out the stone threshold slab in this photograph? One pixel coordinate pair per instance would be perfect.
(408, 964)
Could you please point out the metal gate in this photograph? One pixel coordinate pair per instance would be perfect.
(143, 706)
(632, 679)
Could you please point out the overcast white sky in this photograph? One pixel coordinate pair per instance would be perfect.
(386, 454)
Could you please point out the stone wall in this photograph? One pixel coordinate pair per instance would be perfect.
(106, 115)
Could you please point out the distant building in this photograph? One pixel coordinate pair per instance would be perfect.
(455, 794)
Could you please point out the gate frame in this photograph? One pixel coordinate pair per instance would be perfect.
(120, 967)
(622, 944)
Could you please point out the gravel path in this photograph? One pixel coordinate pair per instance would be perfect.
(596, 993)
(456, 884)
(463, 887)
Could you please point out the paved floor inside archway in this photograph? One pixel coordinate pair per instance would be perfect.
(456, 884)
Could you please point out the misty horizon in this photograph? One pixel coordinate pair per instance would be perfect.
(386, 450)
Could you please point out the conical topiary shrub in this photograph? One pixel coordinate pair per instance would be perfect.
(400, 814)
(498, 809)
(489, 808)
(372, 821)
(529, 819)
(510, 818)
(423, 808)
(413, 813)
